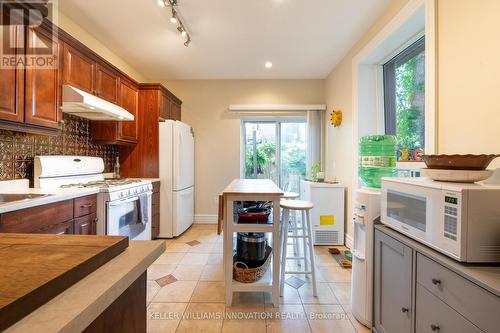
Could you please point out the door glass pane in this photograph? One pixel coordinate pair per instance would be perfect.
(293, 156)
(260, 154)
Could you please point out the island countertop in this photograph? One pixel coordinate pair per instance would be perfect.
(79, 305)
(252, 187)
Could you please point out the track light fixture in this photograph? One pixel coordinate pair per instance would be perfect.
(175, 19)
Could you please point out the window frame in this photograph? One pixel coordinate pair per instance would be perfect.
(389, 82)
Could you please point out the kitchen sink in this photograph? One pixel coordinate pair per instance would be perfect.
(6, 198)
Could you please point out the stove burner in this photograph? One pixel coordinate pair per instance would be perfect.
(103, 183)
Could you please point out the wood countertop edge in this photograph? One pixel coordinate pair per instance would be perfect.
(483, 275)
(75, 308)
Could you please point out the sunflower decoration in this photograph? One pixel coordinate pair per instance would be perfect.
(336, 118)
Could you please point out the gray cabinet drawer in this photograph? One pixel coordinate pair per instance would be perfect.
(434, 316)
(476, 304)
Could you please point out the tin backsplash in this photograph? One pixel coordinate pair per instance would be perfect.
(17, 150)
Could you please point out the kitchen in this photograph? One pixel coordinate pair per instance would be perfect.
(90, 146)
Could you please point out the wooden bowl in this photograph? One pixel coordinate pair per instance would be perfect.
(458, 162)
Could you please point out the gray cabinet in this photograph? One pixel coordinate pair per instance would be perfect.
(417, 289)
(392, 285)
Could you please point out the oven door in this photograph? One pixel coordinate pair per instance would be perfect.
(123, 219)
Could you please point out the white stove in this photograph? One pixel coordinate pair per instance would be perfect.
(123, 206)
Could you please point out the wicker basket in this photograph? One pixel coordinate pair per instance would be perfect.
(249, 275)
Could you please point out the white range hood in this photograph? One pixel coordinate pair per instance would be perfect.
(85, 105)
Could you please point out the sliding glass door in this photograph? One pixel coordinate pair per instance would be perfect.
(275, 149)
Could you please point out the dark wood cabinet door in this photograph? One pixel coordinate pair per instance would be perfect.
(85, 225)
(175, 110)
(165, 107)
(129, 100)
(42, 97)
(107, 84)
(65, 228)
(78, 70)
(12, 80)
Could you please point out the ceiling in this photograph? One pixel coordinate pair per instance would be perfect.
(231, 39)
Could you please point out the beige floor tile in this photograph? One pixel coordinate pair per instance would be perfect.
(164, 317)
(194, 259)
(209, 227)
(251, 299)
(202, 248)
(328, 318)
(290, 296)
(218, 248)
(196, 323)
(157, 271)
(288, 318)
(324, 294)
(212, 273)
(360, 328)
(335, 274)
(177, 247)
(151, 290)
(169, 258)
(209, 292)
(179, 291)
(342, 291)
(188, 272)
(243, 325)
(215, 259)
(209, 238)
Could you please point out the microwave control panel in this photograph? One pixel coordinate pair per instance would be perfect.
(450, 215)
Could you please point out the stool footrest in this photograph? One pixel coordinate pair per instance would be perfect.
(298, 272)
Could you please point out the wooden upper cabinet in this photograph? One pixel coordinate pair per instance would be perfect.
(42, 94)
(175, 110)
(129, 100)
(78, 70)
(12, 81)
(165, 107)
(107, 84)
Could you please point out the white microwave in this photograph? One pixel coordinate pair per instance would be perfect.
(461, 221)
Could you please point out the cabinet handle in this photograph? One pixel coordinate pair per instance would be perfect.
(405, 310)
(436, 282)
(86, 206)
(434, 327)
(96, 219)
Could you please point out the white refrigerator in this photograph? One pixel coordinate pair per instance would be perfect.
(177, 178)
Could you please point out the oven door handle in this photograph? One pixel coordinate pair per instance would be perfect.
(124, 201)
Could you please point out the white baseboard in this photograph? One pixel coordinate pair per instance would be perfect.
(348, 241)
(205, 219)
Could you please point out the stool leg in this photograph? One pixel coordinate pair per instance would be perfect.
(311, 253)
(304, 240)
(295, 233)
(284, 250)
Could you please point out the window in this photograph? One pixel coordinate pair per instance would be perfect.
(404, 99)
(275, 149)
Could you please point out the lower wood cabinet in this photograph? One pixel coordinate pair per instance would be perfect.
(419, 290)
(155, 224)
(86, 225)
(76, 216)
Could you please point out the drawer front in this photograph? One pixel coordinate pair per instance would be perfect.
(85, 205)
(65, 228)
(156, 198)
(434, 316)
(476, 304)
(156, 187)
(36, 218)
(86, 225)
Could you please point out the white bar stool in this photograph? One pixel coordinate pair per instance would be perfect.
(308, 256)
(292, 196)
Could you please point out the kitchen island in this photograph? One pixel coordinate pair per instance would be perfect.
(241, 190)
(110, 296)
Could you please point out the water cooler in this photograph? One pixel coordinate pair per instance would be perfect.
(366, 210)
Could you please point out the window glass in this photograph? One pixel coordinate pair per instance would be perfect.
(404, 100)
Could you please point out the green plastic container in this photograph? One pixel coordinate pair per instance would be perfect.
(377, 159)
